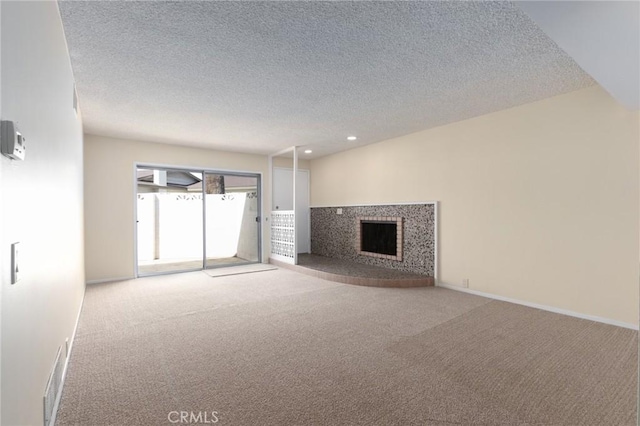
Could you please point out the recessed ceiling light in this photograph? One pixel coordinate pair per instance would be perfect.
(351, 138)
(307, 151)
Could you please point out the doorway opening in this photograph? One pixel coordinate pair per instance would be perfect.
(189, 219)
(283, 200)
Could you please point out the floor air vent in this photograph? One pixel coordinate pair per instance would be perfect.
(53, 387)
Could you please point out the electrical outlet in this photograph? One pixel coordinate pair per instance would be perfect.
(339, 211)
(465, 282)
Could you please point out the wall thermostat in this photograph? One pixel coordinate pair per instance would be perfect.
(12, 141)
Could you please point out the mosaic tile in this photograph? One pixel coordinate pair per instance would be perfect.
(335, 235)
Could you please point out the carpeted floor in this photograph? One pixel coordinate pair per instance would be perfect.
(151, 267)
(280, 348)
(243, 269)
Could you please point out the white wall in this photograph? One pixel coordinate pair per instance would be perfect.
(174, 229)
(287, 163)
(109, 195)
(248, 233)
(537, 203)
(179, 227)
(41, 206)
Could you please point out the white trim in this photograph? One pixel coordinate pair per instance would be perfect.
(295, 206)
(375, 204)
(203, 192)
(261, 215)
(135, 222)
(267, 213)
(68, 350)
(541, 307)
(110, 280)
(436, 249)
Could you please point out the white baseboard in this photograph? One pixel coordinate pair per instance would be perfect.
(56, 404)
(109, 280)
(537, 306)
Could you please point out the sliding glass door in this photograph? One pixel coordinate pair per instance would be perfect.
(189, 220)
(231, 219)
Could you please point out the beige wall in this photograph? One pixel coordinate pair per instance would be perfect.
(41, 206)
(287, 163)
(538, 203)
(109, 195)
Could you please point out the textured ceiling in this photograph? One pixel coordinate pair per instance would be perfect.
(262, 76)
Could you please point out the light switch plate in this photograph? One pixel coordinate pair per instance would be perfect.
(15, 268)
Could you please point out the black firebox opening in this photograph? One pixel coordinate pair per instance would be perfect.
(379, 237)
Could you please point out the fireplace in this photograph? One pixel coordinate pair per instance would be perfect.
(335, 233)
(379, 236)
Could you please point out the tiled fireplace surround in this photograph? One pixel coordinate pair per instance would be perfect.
(337, 235)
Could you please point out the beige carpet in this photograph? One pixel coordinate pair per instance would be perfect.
(280, 348)
(242, 269)
(151, 267)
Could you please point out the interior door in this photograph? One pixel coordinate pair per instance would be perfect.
(283, 200)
